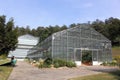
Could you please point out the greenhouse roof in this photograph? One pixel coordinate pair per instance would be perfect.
(29, 37)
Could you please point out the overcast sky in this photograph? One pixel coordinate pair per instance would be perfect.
(58, 12)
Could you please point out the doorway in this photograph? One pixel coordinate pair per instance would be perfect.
(86, 56)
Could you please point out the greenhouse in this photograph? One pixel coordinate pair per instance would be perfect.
(73, 44)
(25, 42)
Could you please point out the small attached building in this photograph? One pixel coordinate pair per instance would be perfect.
(25, 42)
(71, 44)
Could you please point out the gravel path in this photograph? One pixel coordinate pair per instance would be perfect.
(25, 71)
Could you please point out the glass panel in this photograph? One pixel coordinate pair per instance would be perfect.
(94, 56)
(78, 55)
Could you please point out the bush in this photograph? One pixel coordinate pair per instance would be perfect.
(113, 63)
(41, 62)
(70, 64)
(104, 64)
(45, 63)
(44, 66)
(48, 61)
(56, 65)
(62, 63)
(118, 61)
(59, 62)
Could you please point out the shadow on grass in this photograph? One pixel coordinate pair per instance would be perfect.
(112, 71)
(116, 74)
(1, 70)
(8, 64)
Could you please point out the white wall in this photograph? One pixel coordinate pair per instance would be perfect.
(78, 63)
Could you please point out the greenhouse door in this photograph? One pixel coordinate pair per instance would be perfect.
(86, 56)
(89, 56)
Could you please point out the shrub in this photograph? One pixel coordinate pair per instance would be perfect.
(62, 63)
(59, 62)
(44, 66)
(41, 62)
(56, 65)
(70, 64)
(118, 61)
(45, 63)
(48, 61)
(113, 63)
(104, 64)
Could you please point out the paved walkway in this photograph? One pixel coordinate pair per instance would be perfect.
(25, 71)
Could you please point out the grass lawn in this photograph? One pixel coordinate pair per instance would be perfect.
(115, 51)
(103, 76)
(4, 70)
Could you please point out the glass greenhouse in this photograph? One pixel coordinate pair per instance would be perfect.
(71, 44)
(25, 42)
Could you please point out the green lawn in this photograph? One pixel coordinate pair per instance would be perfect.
(115, 51)
(4, 70)
(103, 76)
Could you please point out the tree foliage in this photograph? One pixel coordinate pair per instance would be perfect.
(41, 31)
(8, 35)
(110, 28)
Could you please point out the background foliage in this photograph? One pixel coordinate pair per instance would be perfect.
(110, 28)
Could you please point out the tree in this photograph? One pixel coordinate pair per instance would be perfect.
(63, 27)
(98, 25)
(72, 25)
(109, 28)
(8, 36)
(21, 30)
(112, 28)
(34, 32)
(28, 29)
(118, 40)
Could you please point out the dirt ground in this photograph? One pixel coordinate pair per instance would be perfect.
(25, 71)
